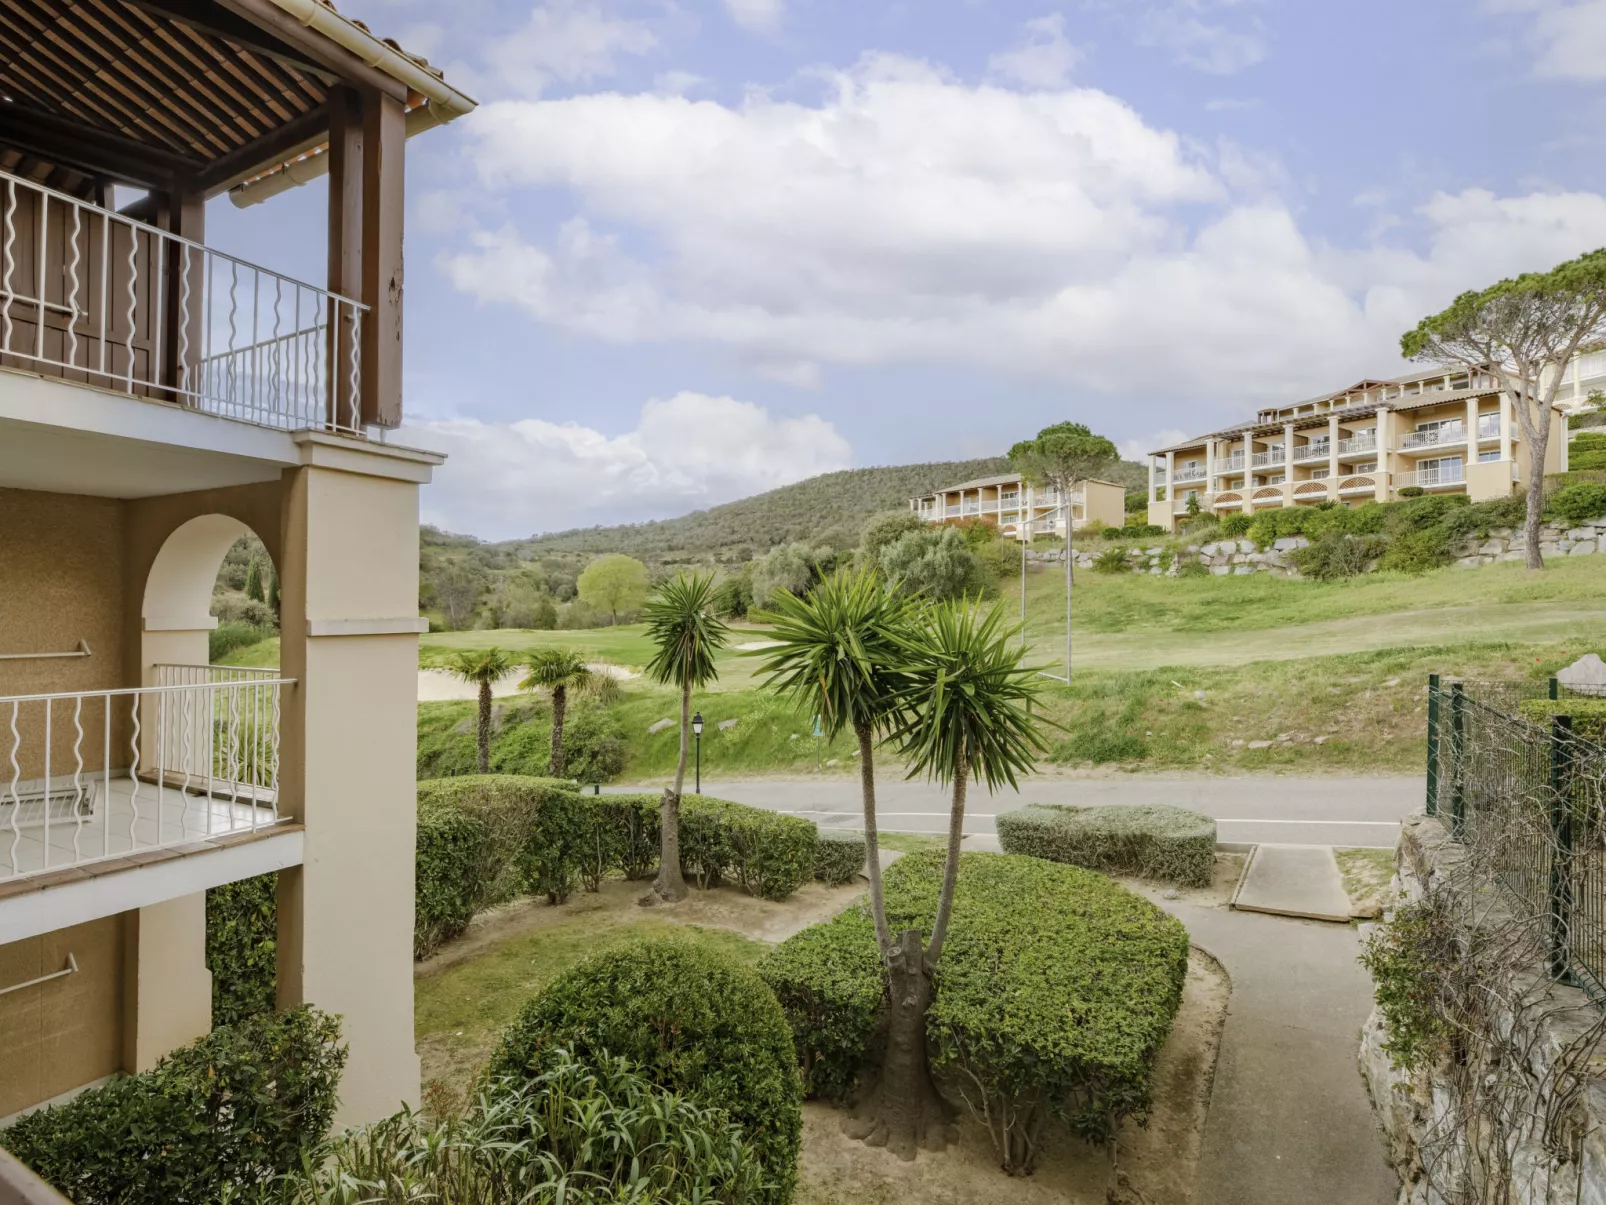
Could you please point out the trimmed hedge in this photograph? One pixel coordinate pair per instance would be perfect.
(1577, 503)
(839, 856)
(1588, 715)
(1055, 992)
(1154, 842)
(237, 1108)
(689, 1021)
(242, 937)
(484, 839)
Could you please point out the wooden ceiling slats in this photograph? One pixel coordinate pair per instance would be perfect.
(125, 69)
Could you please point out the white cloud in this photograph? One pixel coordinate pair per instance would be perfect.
(688, 451)
(1207, 45)
(760, 16)
(566, 41)
(1569, 39)
(910, 217)
(1138, 449)
(1043, 60)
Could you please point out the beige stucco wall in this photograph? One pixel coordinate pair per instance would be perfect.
(60, 1035)
(1104, 503)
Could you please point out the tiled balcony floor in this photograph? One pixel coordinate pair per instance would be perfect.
(159, 817)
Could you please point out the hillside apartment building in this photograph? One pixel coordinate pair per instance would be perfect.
(1442, 431)
(158, 399)
(1020, 510)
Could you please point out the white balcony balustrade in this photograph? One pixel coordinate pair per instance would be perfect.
(1488, 426)
(1452, 474)
(95, 775)
(1196, 474)
(1261, 459)
(951, 510)
(90, 296)
(1358, 444)
(1230, 464)
(1311, 451)
(1454, 434)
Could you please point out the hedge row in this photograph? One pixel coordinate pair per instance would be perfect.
(839, 856)
(691, 1021)
(238, 1107)
(1588, 715)
(483, 839)
(1156, 842)
(1027, 937)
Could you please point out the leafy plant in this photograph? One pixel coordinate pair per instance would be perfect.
(690, 1022)
(1577, 503)
(1112, 560)
(1235, 525)
(1156, 841)
(241, 947)
(1334, 556)
(615, 584)
(246, 1103)
(1408, 956)
(574, 1134)
(838, 855)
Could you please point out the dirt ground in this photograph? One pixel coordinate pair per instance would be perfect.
(1153, 1165)
(1367, 874)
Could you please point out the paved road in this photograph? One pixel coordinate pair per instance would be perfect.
(1330, 810)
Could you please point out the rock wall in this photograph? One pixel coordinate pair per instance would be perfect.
(1243, 556)
(1410, 1107)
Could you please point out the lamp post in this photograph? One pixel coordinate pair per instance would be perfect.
(697, 731)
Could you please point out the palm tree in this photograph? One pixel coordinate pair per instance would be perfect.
(482, 667)
(964, 713)
(837, 654)
(557, 670)
(681, 623)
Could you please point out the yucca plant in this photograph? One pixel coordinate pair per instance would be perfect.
(482, 668)
(557, 670)
(681, 624)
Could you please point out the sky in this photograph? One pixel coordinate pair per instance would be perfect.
(689, 250)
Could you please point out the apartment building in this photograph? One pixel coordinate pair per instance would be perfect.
(158, 399)
(1440, 431)
(1020, 510)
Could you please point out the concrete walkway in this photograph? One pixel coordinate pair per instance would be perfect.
(1294, 880)
(1289, 1122)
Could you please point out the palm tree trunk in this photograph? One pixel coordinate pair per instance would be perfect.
(485, 728)
(950, 870)
(670, 886)
(560, 701)
(872, 841)
(904, 1111)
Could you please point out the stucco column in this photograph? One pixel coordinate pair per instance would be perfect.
(1288, 462)
(350, 639)
(1210, 465)
(1505, 425)
(1171, 483)
(1382, 438)
(1472, 432)
(167, 990)
(1152, 497)
(1332, 456)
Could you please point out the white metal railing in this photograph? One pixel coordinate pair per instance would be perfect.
(1190, 475)
(1311, 451)
(91, 775)
(1261, 459)
(1488, 426)
(1012, 497)
(1357, 444)
(90, 294)
(972, 508)
(1442, 475)
(1443, 435)
(1229, 464)
(951, 509)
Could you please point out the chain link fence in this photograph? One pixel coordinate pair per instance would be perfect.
(1532, 793)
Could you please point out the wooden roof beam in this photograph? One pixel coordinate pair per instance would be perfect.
(299, 134)
(96, 152)
(334, 58)
(207, 17)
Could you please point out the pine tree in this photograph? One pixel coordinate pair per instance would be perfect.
(253, 581)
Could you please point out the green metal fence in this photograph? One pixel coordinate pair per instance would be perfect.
(1531, 799)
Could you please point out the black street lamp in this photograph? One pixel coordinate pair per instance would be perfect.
(697, 731)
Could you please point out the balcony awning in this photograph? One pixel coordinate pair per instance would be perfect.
(198, 93)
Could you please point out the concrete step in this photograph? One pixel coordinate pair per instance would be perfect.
(1293, 880)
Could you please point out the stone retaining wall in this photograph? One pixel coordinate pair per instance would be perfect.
(1244, 556)
(1408, 1105)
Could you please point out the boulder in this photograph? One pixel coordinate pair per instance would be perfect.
(1208, 549)
(1246, 546)
(1589, 672)
(1220, 570)
(1240, 570)
(658, 726)
(1580, 533)
(1582, 548)
(1261, 744)
(1286, 544)
(1492, 547)
(726, 725)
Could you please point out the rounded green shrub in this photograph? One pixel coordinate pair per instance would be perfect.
(240, 1106)
(1236, 525)
(688, 1020)
(1577, 503)
(1156, 842)
(1054, 993)
(1335, 555)
(1412, 491)
(1112, 560)
(839, 855)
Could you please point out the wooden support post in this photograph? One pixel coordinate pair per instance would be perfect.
(183, 309)
(384, 142)
(345, 249)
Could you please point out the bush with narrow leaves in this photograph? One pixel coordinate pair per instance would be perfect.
(1156, 841)
(839, 855)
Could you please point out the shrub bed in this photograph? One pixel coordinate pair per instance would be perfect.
(1588, 715)
(689, 1021)
(575, 1134)
(1054, 994)
(1156, 842)
(482, 840)
(237, 1108)
(242, 922)
(839, 855)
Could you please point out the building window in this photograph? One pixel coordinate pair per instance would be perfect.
(1369, 466)
(1492, 454)
(1440, 424)
(1277, 479)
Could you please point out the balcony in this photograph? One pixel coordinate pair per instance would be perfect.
(1194, 474)
(1357, 445)
(1012, 498)
(1442, 437)
(1231, 464)
(951, 510)
(1261, 460)
(1488, 426)
(1431, 478)
(96, 298)
(1311, 451)
(102, 775)
(972, 508)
